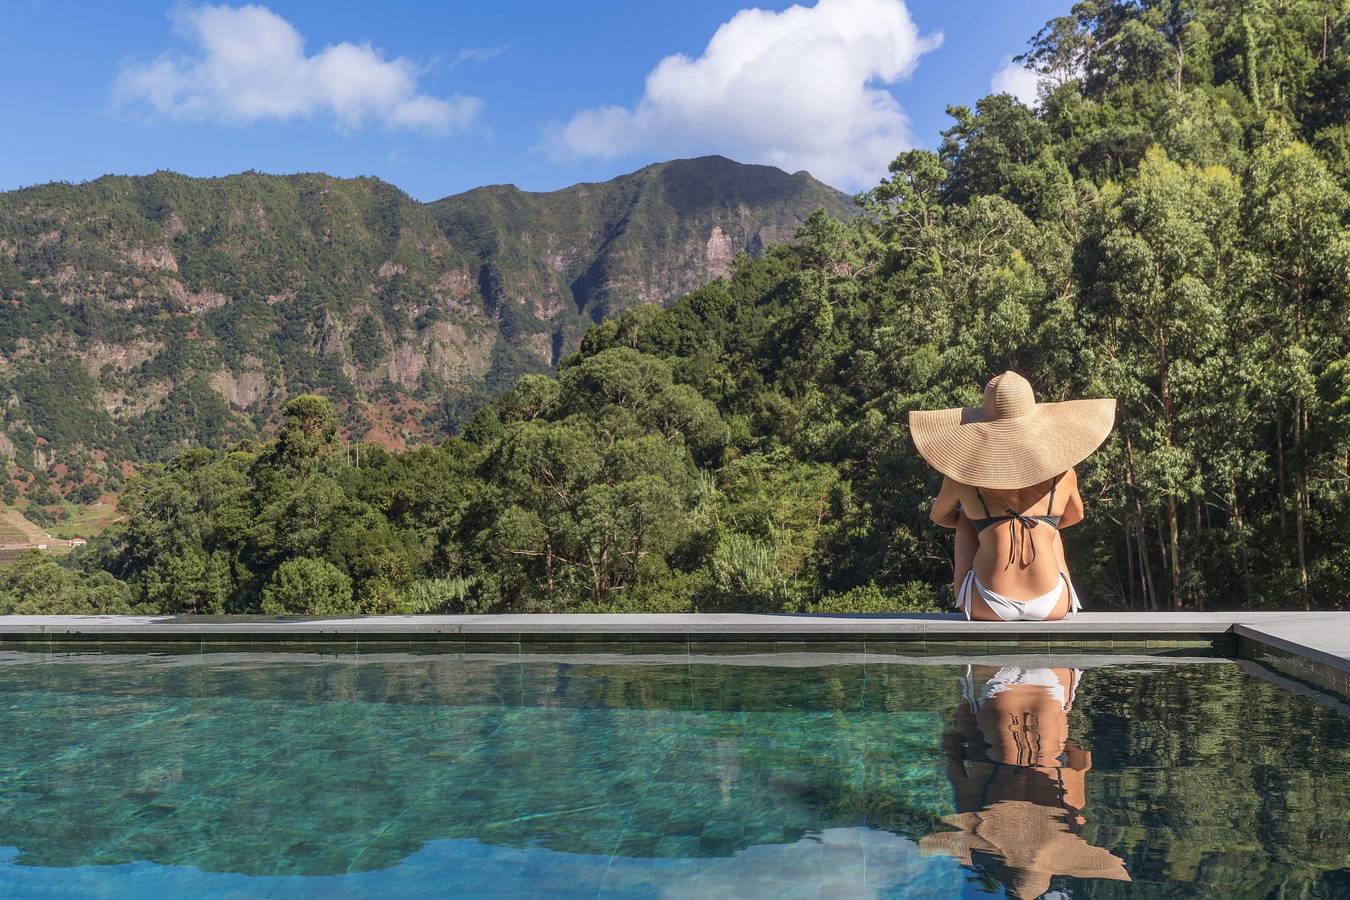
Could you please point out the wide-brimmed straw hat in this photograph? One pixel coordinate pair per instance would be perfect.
(1011, 441)
(1025, 844)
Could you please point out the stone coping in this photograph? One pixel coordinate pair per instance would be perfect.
(743, 626)
(177, 656)
(1310, 646)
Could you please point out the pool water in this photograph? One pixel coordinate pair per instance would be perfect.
(279, 775)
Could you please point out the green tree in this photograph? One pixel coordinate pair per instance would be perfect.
(1166, 248)
(308, 432)
(1297, 215)
(307, 586)
(36, 585)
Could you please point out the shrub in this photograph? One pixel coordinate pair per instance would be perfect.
(912, 597)
(438, 595)
(36, 585)
(308, 586)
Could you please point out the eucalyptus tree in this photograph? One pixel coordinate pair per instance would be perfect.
(1296, 223)
(1159, 291)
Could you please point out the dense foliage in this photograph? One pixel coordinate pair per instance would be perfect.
(1168, 227)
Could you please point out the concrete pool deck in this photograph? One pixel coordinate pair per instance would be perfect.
(1313, 647)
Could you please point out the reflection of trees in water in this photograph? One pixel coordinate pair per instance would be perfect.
(1199, 773)
(1214, 777)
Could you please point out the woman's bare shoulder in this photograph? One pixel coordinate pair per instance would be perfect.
(954, 487)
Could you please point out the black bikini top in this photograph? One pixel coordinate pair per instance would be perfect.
(1027, 522)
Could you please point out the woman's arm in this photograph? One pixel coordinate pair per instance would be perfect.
(1073, 507)
(946, 508)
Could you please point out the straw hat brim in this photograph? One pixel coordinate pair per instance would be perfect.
(1031, 842)
(967, 446)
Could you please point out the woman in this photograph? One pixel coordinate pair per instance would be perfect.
(1019, 782)
(1009, 488)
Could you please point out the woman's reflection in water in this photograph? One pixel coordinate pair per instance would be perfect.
(1019, 782)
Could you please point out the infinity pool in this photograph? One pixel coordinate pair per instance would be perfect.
(786, 776)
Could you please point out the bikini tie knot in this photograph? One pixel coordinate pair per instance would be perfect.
(1027, 522)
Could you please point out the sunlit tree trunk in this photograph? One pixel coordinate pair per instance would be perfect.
(1173, 536)
(1235, 512)
(1172, 542)
(1279, 462)
(1129, 564)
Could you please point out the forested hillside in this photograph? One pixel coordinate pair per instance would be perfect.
(142, 316)
(1168, 227)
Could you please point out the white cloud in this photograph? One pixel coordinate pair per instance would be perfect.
(799, 89)
(1021, 82)
(250, 65)
(478, 54)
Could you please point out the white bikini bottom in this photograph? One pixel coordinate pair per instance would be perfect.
(1009, 676)
(1037, 609)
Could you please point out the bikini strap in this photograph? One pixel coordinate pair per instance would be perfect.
(1011, 515)
(1049, 507)
(968, 689)
(964, 601)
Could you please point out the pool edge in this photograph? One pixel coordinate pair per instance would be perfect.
(1313, 647)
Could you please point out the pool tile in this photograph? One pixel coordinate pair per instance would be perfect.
(591, 646)
(1096, 645)
(385, 644)
(966, 648)
(729, 647)
(1032, 645)
(226, 646)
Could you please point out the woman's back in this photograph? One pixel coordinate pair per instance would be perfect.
(1010, 539)
(1019, 553)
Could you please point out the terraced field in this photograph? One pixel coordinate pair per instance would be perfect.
(86, 521)
(12, 534)
(18, 535)
(17, 528)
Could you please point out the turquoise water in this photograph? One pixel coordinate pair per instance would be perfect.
(286, 775)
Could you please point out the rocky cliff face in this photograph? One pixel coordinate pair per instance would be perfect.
(568, 258)
(140, 315)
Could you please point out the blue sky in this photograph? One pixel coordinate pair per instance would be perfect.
(439, 98)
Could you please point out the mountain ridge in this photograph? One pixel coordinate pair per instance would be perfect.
(147, 313)
(607, 211)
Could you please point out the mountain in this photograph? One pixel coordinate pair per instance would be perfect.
(144, 314)
(574, 256)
